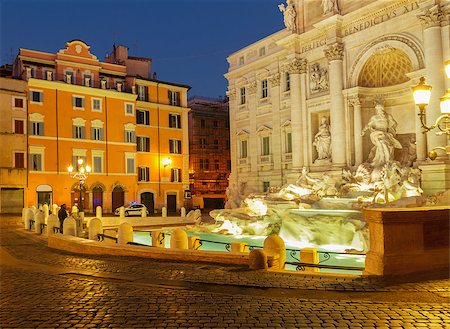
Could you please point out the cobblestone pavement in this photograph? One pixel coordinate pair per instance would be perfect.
(46, 288)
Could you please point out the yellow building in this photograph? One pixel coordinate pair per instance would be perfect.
(80, 107)
(13, 113)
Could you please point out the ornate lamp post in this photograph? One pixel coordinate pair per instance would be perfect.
(81, 175)
(422, 94)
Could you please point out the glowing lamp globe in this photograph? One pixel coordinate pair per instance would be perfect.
(69, 168)
(445, 103)
(422, 93)
(88, 169)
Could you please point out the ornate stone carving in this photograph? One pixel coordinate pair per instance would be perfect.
(296, 66)
(231, 94)
(289, 15)
(432, 16)
(251, 87)
(330, 6)
(335, 51)
(354, 101)
(275, 80)
(318, 78)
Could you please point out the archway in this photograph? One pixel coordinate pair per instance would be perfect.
(75, 196)
(118, 197)
(97, 197)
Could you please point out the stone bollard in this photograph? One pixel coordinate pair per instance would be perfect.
(239, 246)
(70, 226)
(164, 211)
(257, 260)
(38, 220)
(125, 233)
(52, 222)
(158, 238)
(194, 242)
(122, 212)
(310, 256)
(55, 209)
(24, 214)
(95, 228)
(46, 212)
(98, 212)
(179, 239)
(28, 218)
(183, 212)
(144, 212)
(274, 245)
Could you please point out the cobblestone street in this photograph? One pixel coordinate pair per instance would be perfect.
(45, 288)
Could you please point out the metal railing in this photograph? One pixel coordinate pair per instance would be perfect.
(102, 237)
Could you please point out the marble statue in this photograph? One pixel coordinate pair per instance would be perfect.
(318, 78)
(289, 15)
(322, 140)
(329, 6)
(382, 127)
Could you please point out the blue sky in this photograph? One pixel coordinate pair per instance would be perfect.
(188, 40)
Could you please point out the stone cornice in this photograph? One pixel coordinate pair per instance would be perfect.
(231, 94)
(335, 52)
(275, 80)
(296, 66)
(251, 87)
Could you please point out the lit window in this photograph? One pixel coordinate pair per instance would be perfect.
(175, 175)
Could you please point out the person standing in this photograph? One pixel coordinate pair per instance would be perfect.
(62, 215)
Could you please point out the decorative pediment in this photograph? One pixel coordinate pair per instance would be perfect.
(97, 123)
(242, 133)
(286, 124)
(77, 48)
(263, 129)
(36, 117)
(79, 122)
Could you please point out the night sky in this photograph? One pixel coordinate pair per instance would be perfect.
(188, 40)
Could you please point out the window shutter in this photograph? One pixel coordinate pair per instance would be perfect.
(147, 146)
(83, 132)
(101, 134)
(82, 102)
(172, 174)
(41, 129)
(147, 174)
(179, 147)
(171, 146)
(146, 97)
(125, 136)
(74, 132)
(138, 143)
(147, 118)
(179, 175)
(169, 95)
(92, 133)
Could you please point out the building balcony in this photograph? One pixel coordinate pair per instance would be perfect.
(287, 157)
(244, 161)
(265, 159)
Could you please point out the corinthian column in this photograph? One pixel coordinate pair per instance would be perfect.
(276, 149)
(357, 129)
(434, 63)
(335, 55)
(295, 68)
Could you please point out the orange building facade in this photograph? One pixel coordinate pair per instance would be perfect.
(114, 117)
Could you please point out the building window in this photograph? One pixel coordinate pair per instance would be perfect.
(31, 71)
(37, 128)
(143, 144)
(78, 102)
(97, 162)
(143, 117)
(242, 95)
(19, 126)
(78, 156)
(144, 174)
(175, 146)
(288, 142)
(78, 132)
(130, 136)
(174, 121)
(18, 103)
(142, 93)
(216, 144)
(265, 145)
(129, 108)
(243, 149)
(175, 175)
(97, 134)
(19, 160)
(215, 124)
(204, 164)
(202, 143)
(37, 96)
(202, 123)
(174, 98)
(130, 165)
(216, 165)
(69, 77)
(96, 104)
(87, 80)
(264, 90)
(266, 186)
(35, 162)
(241, 60)
(262, 51)
(287, 80)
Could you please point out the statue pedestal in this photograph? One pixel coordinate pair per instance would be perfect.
(435, 177)
(408, 240)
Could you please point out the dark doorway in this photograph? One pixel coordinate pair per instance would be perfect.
(171, 202)
(214, 203)
(118, 198)
(148, 199)
(76, 198)
(44, 197)
(97, 198)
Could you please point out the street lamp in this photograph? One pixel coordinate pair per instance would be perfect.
(81, 175)
(422, 94)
